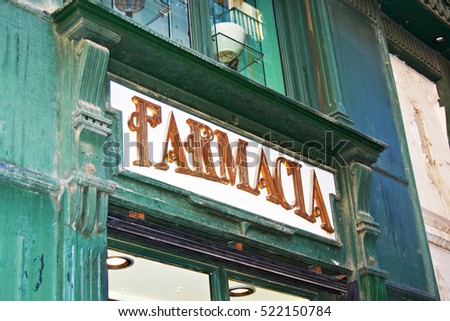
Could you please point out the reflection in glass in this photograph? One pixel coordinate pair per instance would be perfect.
(155, 281)
(166, 17)
(240, 291)
(245, 39)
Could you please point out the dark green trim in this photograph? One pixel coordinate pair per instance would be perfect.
(220, 260)
(396, 292)
(441, 8)
(219, 285)
(200, 27)
(323, 46)
(309, 60)
(443, 87)
(194, 82)
(298, 64)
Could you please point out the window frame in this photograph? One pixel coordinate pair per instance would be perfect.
(168, 245)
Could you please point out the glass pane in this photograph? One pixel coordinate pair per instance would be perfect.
(245, 39)
(247, 292)
(154, 281)
(166, 17)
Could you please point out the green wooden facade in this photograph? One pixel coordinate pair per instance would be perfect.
(57, 196)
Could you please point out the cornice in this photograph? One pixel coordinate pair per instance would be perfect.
(441, 8)
(405, 43)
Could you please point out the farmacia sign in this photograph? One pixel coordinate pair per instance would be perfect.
(175, 147)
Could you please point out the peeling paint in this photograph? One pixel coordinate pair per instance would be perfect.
(41, 270)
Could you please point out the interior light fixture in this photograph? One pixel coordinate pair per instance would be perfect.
(439, 39)
(241, 290)
(118, 262)
(129, 6)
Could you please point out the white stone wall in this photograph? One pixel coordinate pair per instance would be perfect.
(425, 127)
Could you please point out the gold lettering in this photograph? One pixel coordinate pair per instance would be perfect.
(231, 167)
(300, 208)
(290, 167)
(320, 209)
(200, 147)
(177, 153)
(137, 122)
(267, 181)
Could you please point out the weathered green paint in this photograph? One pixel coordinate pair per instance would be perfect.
(84, 207)
(200, 27)
(27, 261)
(300, 77)
(206, 217)
(28, 188)
(329, 76)
(27, 121)
(54, 193)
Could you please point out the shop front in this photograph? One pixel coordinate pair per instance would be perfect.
(202, 195)
(208, 167)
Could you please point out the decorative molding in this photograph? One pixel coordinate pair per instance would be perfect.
(367, 229)
(403, 42)
(86, 274)
(329, 74)
(92, 66)
(373, 283)
(372, 278)
(440, 8)
(75, 27)
(22, 177)
(83, 119)
(362, 178)
(88, 203)
(366, 7)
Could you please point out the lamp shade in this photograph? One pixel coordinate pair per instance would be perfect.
(129, 5)
(229, 38)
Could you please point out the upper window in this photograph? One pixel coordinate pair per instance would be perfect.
(244, 38)
(241, 34)
(284, 45)
(167, 17)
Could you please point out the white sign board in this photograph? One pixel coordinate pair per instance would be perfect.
(172, 146)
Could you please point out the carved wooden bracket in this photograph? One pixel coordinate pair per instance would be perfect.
(372, 278)
(92, 66)
(88, 203)
(83, 245)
